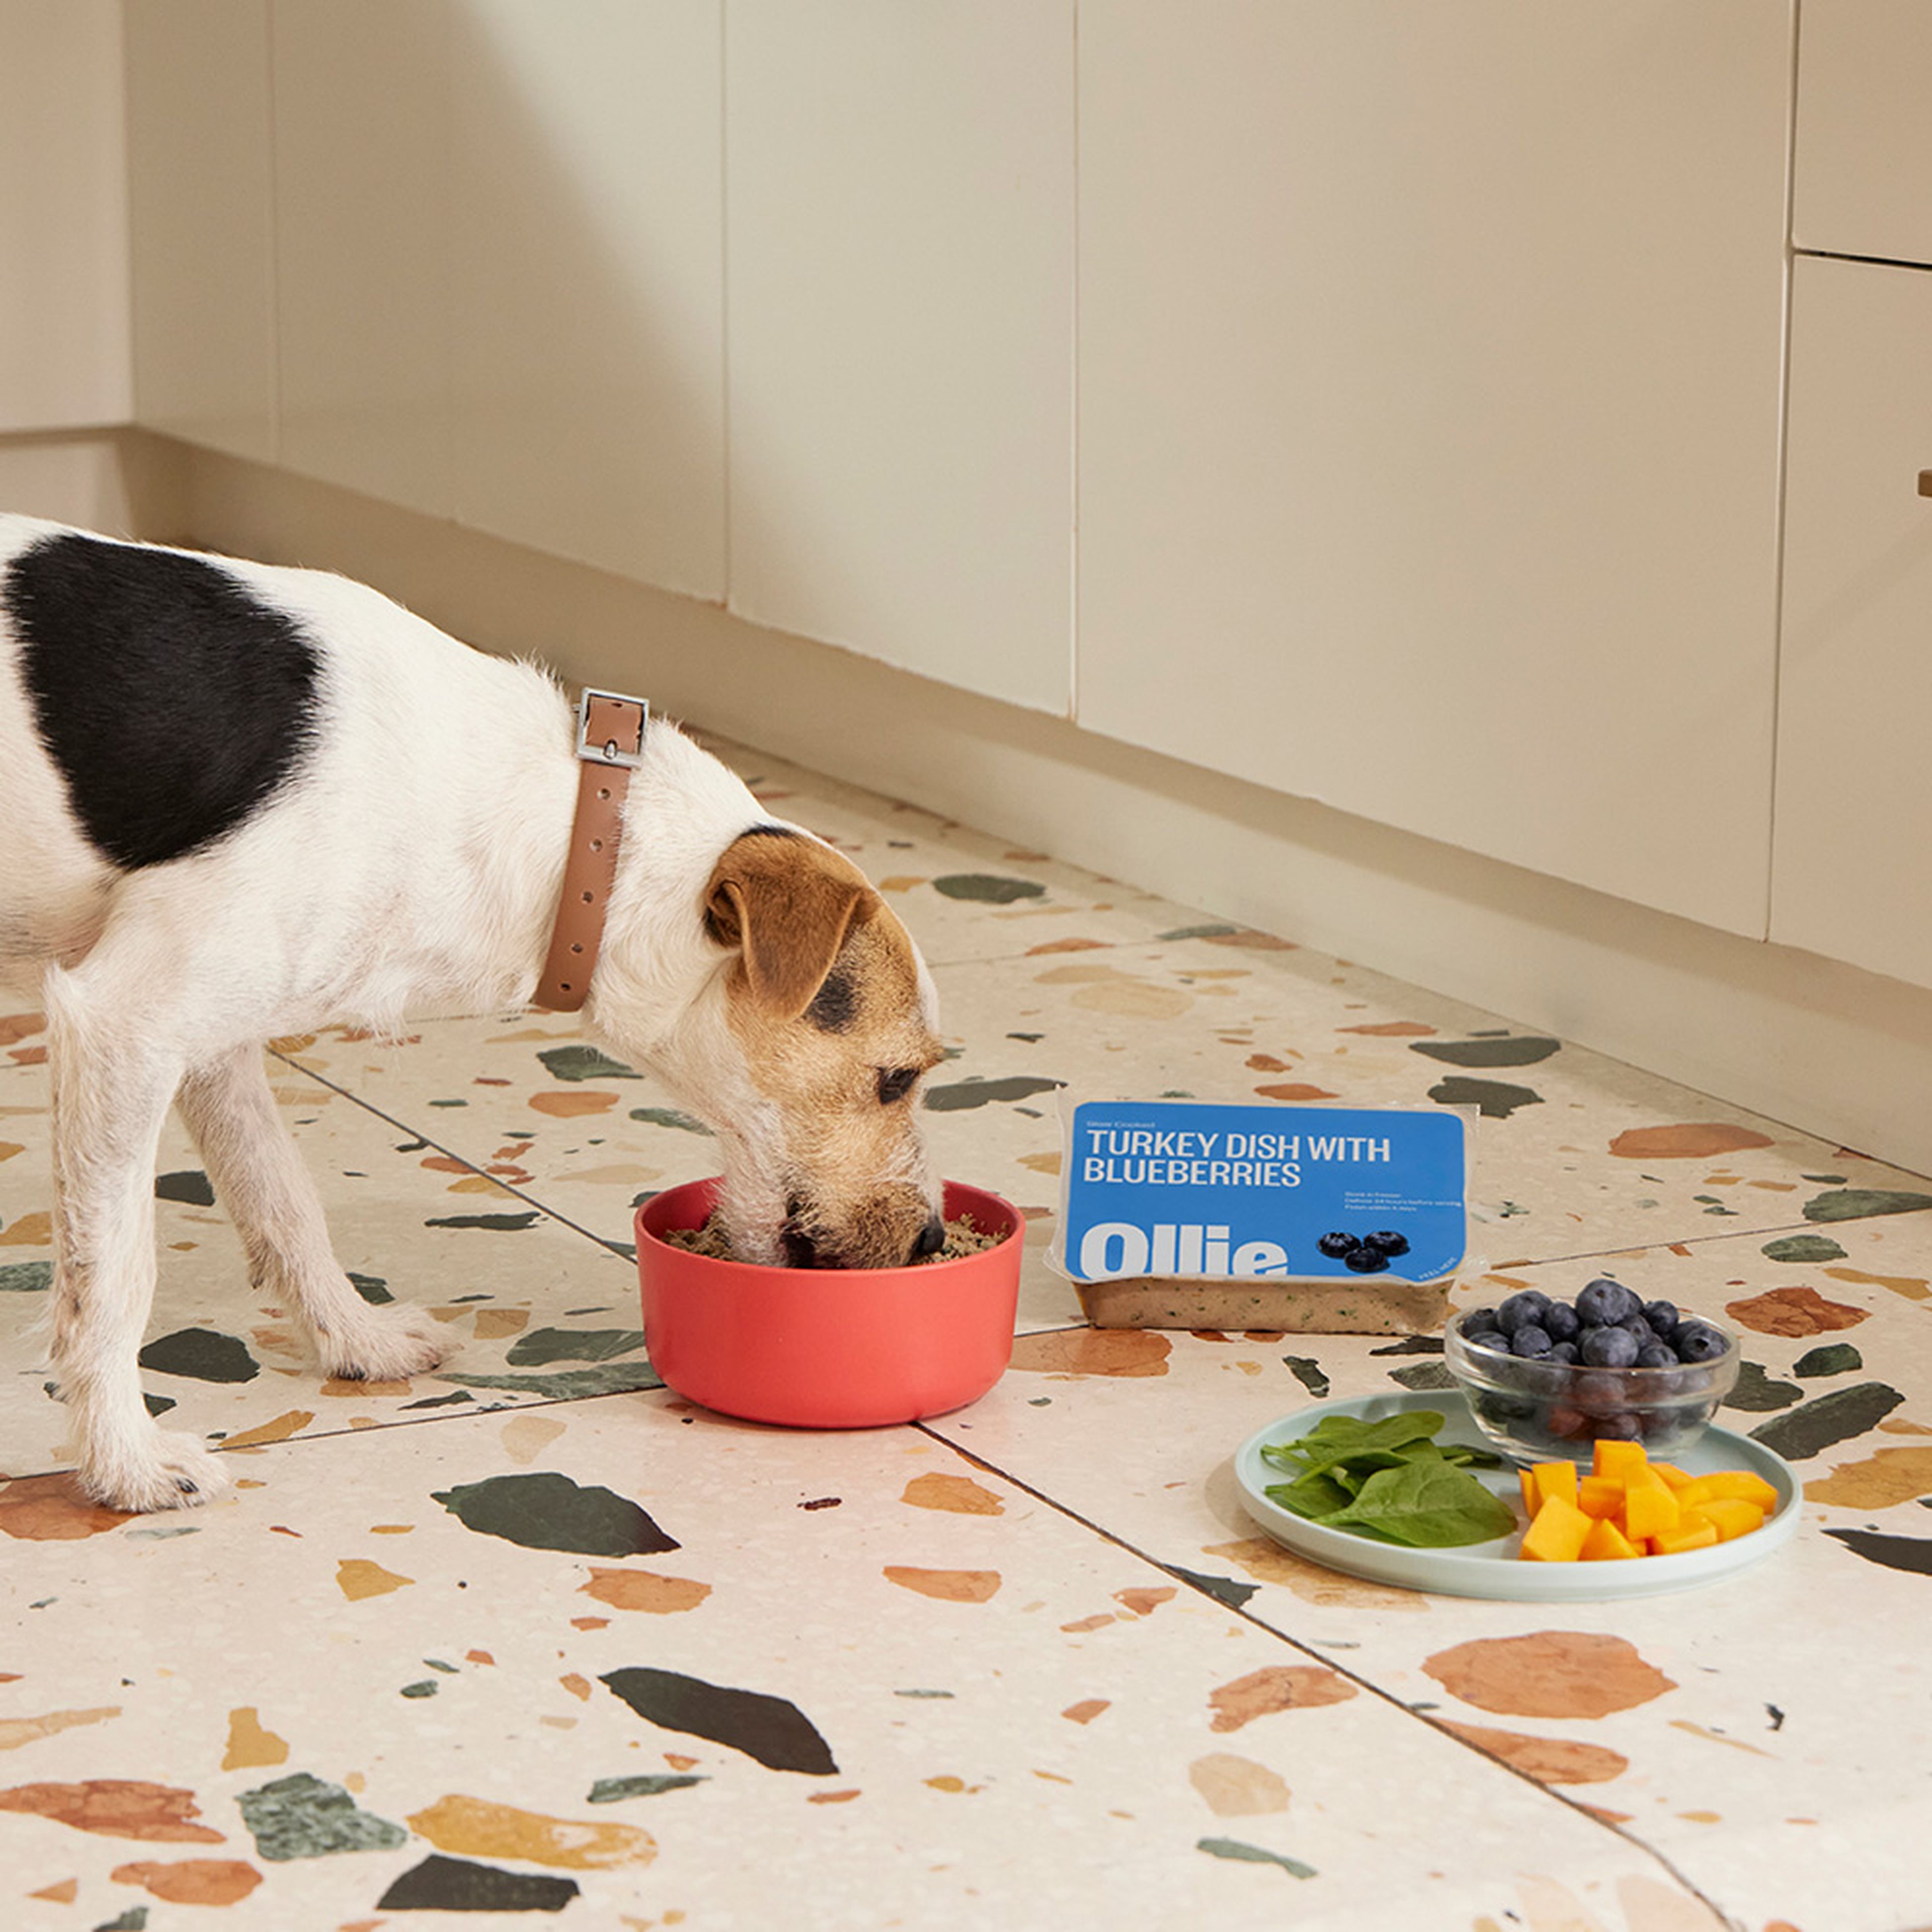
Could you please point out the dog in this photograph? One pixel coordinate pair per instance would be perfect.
(242, 801)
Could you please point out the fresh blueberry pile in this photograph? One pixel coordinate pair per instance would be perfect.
(1608, 1365)
(1365, 1254)
(1607, 1326)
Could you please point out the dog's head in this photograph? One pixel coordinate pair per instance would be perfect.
(805, 1053)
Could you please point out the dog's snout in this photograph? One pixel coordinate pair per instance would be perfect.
(931, 1238)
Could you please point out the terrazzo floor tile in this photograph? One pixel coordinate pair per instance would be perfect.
(591, 1137)
(1598, 1156)
(533, 1307)
(497, 1641)
(646, 1667)
(1730, 1727)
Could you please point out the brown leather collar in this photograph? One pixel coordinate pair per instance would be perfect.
(610, 747)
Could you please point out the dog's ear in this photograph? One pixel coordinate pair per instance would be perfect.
(786, 903)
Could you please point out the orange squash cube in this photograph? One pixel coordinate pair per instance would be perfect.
(1729, 1516)
(1557, 1534)
(1650, 1510)
(1673, 1541)
(1739, 1485)
(1600, 1496)
(1551, 1479)
(1674, 1477)
(1605, 1543)
(1617, 1459)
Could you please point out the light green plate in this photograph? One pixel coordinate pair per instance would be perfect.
(1493, 1569)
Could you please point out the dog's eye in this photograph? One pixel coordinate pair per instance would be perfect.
(896, 1083)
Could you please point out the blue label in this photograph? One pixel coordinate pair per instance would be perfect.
(1160, 1187)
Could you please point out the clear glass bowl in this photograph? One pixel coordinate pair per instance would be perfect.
(1535, 1410)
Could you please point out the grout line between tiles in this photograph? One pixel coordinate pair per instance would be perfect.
(622, 1252)
(1306, 1648)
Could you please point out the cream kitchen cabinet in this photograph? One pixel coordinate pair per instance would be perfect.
(202, 213)
(1863, 144)
(1429, 370)
(63, 219)
(1854, 773)
(901, 250)
(463, 255)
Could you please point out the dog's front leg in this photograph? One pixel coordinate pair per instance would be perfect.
(111, 1085)
(260, 1178)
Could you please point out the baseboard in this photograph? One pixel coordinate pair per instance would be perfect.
(1822, 1046)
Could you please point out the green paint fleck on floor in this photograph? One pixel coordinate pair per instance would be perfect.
(1856, 1204)
(1806, 1250)
(548, 1511)
(1495, 1099)
(202, 1354)
(301, 1817)
(987, 888)
(1836, 1417)
(1233, 1848)
(584, 1062)
(567, 1384)
(670, 1117)
(572, 1345)
(1833, 1358)
(650, 1784)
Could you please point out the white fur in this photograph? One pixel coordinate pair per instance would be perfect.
(412, 867)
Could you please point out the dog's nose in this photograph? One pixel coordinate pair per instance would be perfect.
(931, 1238)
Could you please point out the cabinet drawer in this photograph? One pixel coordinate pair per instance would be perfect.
(1864, 139)
(1854, 816)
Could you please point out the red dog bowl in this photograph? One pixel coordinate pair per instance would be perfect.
(828, 1347)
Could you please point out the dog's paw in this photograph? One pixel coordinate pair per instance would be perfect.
(166, 1470)
(384, 1344)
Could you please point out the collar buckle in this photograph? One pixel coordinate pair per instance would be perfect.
(611, 729)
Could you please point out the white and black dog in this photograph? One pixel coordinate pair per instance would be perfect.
(238, 802)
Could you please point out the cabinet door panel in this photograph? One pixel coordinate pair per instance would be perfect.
(200, 183)
(1429, 402)
(63, 217)
(587, 282)
(1855, 694)
(1865, 140)
(899, 264)
(362, 193)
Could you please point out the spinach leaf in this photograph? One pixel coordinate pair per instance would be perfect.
(1390, 1481)
(1429, 1503)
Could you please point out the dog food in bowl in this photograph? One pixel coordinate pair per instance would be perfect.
(1548, 1378)
(828, 1347)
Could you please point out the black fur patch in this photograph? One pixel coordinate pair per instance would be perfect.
(174, 704)
(836, 1005)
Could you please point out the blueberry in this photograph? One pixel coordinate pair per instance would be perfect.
(1662, 1316)
(1625, 1428)
(1608, 1348)
(1603, 1303)
(1387, 1241)
(1656, 1355)
(1527, 1304)
(1493, 1338)
(1698, 1342)
(1562, 1352)
(1528, 1338)
(1479, 1321)
(1337, 1246)
(1560, 1319)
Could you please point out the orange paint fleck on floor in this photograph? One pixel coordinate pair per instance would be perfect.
(1549, 1674)
(950, 1586)
(1687, 1140)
